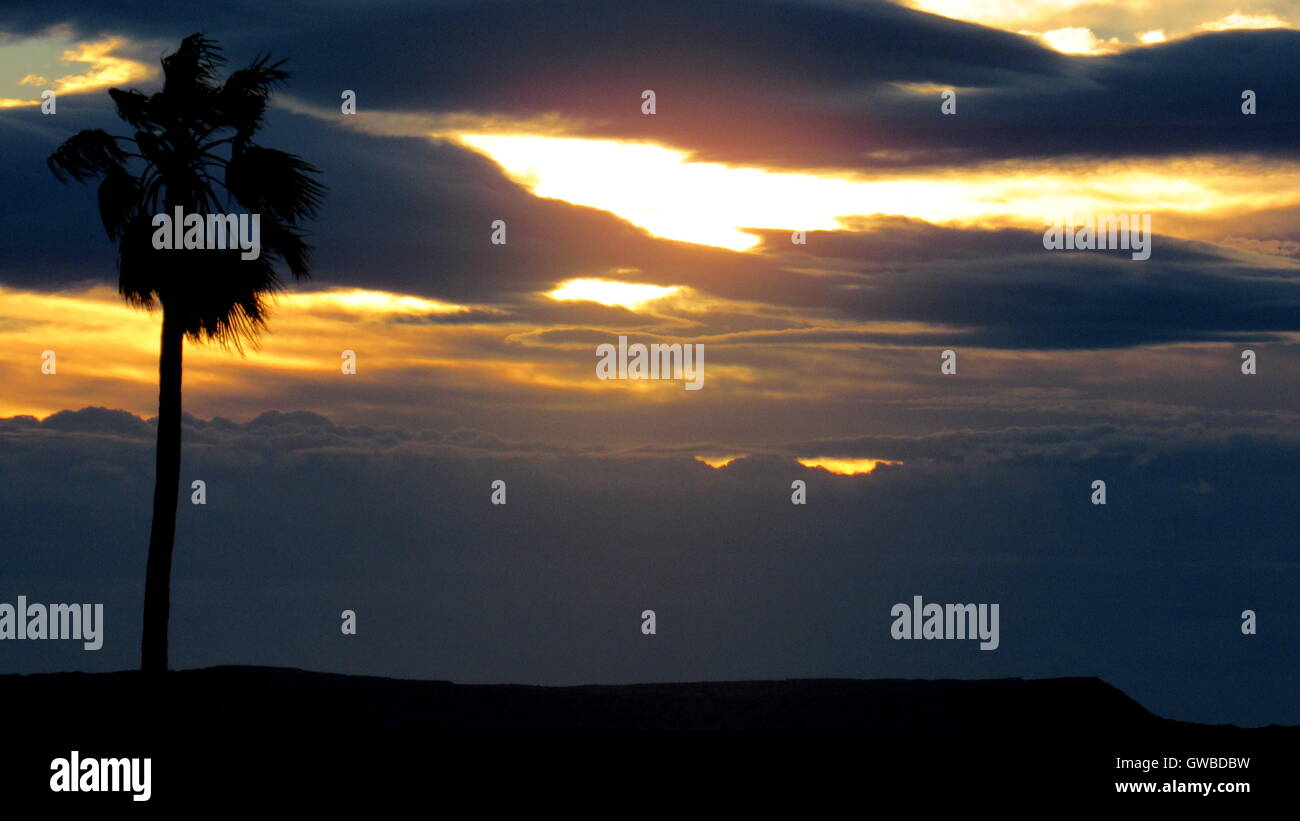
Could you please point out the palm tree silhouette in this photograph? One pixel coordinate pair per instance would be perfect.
(186, 136)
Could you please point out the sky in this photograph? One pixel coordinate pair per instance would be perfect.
(924, 233)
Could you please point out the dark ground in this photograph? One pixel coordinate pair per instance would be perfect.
(228, 698)
(230, 733)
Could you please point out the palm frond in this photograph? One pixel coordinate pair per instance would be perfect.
(193, 66)
(241, 101)
(86, 154)
(275, 182)
(141, 269)
(225, 298)
(119, 201)
(288, 245)
(132, 106)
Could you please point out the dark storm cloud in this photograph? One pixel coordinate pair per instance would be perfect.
(413, 215)
(53, 236)
(1003, 289)
(801, 84)
(305, 518)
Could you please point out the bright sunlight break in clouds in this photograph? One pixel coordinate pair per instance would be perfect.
(1095, 27)
(845, 467)
(660, 190)
(104, 68)
(610, 292)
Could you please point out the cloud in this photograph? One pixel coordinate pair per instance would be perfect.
(799, 85)
(305, 518)
(837, 106)
(105, 66)
(1237, 20)
(1114, 17)
(1078, 40)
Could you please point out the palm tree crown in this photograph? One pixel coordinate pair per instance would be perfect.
(193, 147)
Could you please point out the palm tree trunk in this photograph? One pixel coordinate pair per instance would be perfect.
(162, 536)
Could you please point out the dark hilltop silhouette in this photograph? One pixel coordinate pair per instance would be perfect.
(296, 738)
(228, 698)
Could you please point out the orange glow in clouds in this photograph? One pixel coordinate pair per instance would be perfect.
(719, 462)
(846, 467)
(630, 295)
(661, 190)
(105, 69)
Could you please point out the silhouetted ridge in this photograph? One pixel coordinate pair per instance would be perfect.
(229, 698)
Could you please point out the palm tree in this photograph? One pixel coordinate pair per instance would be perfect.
(188, 136)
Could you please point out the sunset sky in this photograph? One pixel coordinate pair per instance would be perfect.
(475, 361)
